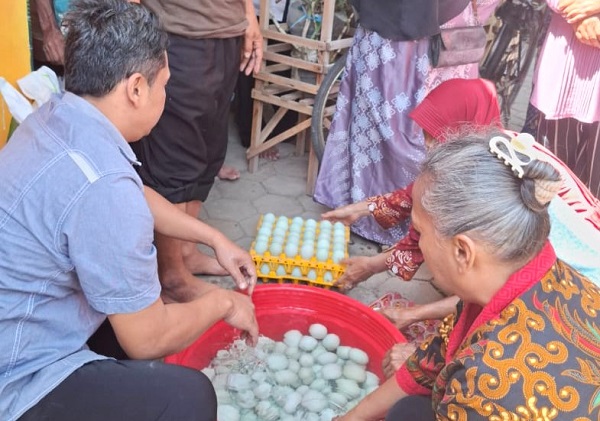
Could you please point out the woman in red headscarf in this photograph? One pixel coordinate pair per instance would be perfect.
(452, 105)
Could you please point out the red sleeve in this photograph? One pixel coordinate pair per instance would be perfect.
(392, 208)
(419, 372)
(406, 257)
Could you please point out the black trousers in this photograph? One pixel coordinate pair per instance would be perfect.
(127, 390)
(413, 408)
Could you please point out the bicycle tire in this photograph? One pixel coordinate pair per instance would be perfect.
(317, 127)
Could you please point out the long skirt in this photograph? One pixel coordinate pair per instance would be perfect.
(373, 146)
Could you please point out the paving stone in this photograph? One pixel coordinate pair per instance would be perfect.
(285, 185)
(229, 209)
(310, 205)
(279, 205)
(242, 189)
(231, 229)
(294, 166)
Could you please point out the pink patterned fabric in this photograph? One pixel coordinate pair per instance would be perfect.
(567, 77)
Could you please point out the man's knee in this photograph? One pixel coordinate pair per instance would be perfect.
(193, 397)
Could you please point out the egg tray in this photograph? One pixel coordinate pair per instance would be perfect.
(305, 265)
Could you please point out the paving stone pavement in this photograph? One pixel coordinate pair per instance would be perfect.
(234, 208)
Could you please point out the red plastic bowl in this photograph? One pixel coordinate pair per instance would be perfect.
(280, 308)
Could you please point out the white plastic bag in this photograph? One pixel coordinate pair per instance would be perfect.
(17, 104)
(39, 85)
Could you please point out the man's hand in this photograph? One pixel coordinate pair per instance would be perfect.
(242, 316)
(237, 262)
(348, 214)
(588, 31)
(252, 49)
(577, 10)
(395, 357)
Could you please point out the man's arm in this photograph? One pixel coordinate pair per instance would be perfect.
(171, 221)
(163, 329)
(53, 41)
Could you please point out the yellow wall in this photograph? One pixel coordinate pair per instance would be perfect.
(15, 56)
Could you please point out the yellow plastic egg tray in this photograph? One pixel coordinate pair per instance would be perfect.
(275, 262)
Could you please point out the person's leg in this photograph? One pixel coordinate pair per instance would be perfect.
(413, 408)
(576, 144)
(178, 155)
(591, 132)
(129, 391)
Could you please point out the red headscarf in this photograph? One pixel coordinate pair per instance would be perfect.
(455, 103)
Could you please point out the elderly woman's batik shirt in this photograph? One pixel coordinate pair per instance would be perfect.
(532, 353)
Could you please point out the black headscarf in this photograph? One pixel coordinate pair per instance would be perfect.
(406, 20)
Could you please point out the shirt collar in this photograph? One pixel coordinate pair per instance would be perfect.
(519, 282)
(95, 113)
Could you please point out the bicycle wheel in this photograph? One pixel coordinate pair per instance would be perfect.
(324, 106)
(513, 49)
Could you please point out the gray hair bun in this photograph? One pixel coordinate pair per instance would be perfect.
(541, 183)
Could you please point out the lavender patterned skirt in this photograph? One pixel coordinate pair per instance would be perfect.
(373, 146)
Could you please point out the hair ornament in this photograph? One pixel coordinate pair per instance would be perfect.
(521, 144)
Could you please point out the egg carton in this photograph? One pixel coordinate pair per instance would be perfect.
(312, 271)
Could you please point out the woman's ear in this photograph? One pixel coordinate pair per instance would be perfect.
(464, 251)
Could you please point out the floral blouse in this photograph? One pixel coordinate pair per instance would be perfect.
(532, 353)
(389, 210)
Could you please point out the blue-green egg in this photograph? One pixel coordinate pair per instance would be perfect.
(337, 256)
(275, 249)
(281, 270)
(325, 224)
(265, 269)
(291, 249)
(322, 254)
(312, 274)
(307, 251)
(328, 276)
(260, 247)
(311, 223)
(264, 232)
(269, 217)
(296, 272)
(278, 239)
(298, 221)
(339, 226)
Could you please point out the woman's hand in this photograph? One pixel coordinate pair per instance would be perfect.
(588, 31)
(401, 317)
(237, 262)
(395, 357)
(577, 10)
(348, 214)
(358, 269)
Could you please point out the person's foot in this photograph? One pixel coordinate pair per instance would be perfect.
(271, 154)
(228, 173)
(201, 264)
(182, 287)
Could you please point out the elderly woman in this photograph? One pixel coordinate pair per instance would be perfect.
(523, 342)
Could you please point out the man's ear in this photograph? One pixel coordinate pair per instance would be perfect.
(135, 87)
(464, 251)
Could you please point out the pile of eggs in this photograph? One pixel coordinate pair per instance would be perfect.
(304, 377)
(307, 239)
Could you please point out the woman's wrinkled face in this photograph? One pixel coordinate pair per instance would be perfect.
(437, 251)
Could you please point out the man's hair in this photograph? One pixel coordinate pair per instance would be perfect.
(109, 40)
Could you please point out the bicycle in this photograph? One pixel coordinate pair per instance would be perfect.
(513, 35)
